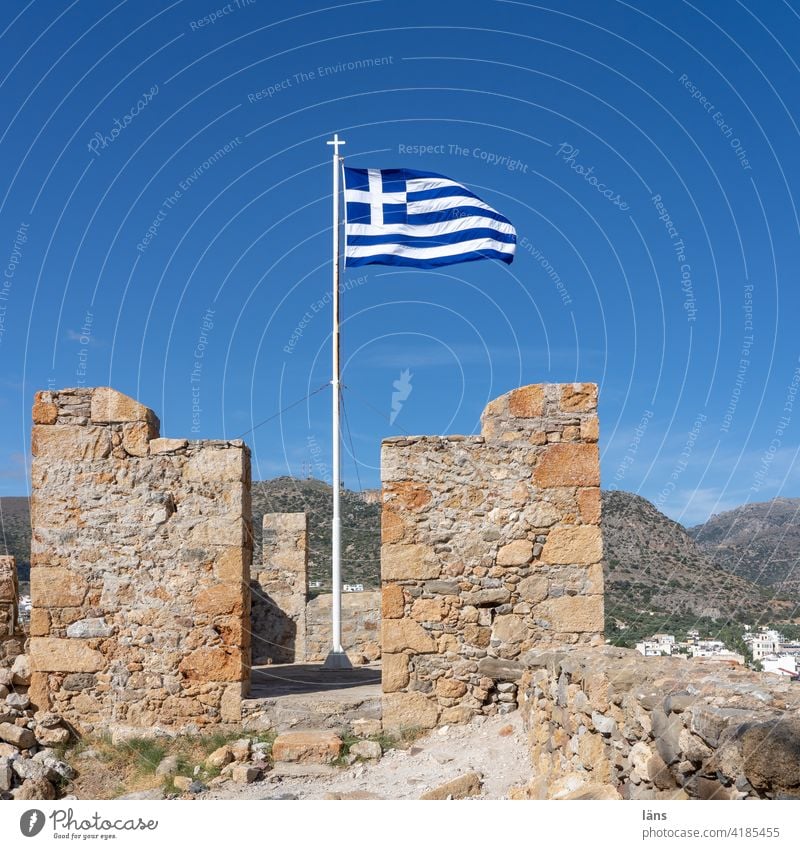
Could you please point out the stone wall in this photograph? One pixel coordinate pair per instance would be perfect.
(279, 587)
(12, 639)
(610, 723)
(491, 547)
(140, 560)
(361, 622)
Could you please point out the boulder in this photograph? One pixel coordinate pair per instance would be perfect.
(21, 670)
(168, 766)
(35, 788)
(18, 701)
(22, 738)
(219, 758)
(245, 774)
(368, 750)
(314, 747)
(771, 756)
(463, 787)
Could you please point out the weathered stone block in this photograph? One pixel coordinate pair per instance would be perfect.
(392, 602)
(589, 505)
(57, 587)
(220, 599)
(405, 711)
(580, 545)
(399, 635)
(526, 402)
(573, 614)
(221, 465)
(533, 589)
(500, 670)
(481, 598)
(65, 442)
(39, 622)
(394, 671)
(579, 397)
(308, 747)
(430, 610)
(136, 439)
(516, 553)
(409, 562)
(230, 564)
(568, 464)
(51, 654)
(212, 664)
(166, 445)
(450, 688)
(590, 429)
(393, 528)
(509, 628)
(110, 407)
(45, 411)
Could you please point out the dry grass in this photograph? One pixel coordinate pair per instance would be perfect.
(114, 769)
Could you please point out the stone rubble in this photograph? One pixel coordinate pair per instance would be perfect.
(610, 721)
(29, 766)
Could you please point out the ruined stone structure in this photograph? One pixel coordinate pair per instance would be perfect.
(610, 723)
(290, 627)
(140, 560)
(12, 639)
(491, 548)
(279, 587)
(492, 599)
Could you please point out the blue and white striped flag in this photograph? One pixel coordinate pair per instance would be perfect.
(419, 219)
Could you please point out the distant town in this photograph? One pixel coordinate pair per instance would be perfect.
(769, 650)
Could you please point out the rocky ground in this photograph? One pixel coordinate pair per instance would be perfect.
(483, 759)
(41, 757)
(30, 742)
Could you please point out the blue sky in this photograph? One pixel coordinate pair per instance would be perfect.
(167, 185)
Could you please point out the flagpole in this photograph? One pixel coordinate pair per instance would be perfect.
(337, 658)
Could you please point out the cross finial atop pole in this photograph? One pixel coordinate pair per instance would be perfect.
(336, 141)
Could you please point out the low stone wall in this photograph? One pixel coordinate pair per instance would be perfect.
(12, 639)
(279, 585)
(361, 623)
(140, 562)
(491, 547)
(610, 723)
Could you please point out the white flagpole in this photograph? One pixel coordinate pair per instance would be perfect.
(337, 658)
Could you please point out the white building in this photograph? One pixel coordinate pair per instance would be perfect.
(715, 650)
(657, 645)
(766, 642)
(353, 588)
(780, 664)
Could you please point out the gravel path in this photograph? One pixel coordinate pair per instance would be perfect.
(495, 747)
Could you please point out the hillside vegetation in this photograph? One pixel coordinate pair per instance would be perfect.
(658, 574)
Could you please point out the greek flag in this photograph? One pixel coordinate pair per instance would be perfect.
(419, 219)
